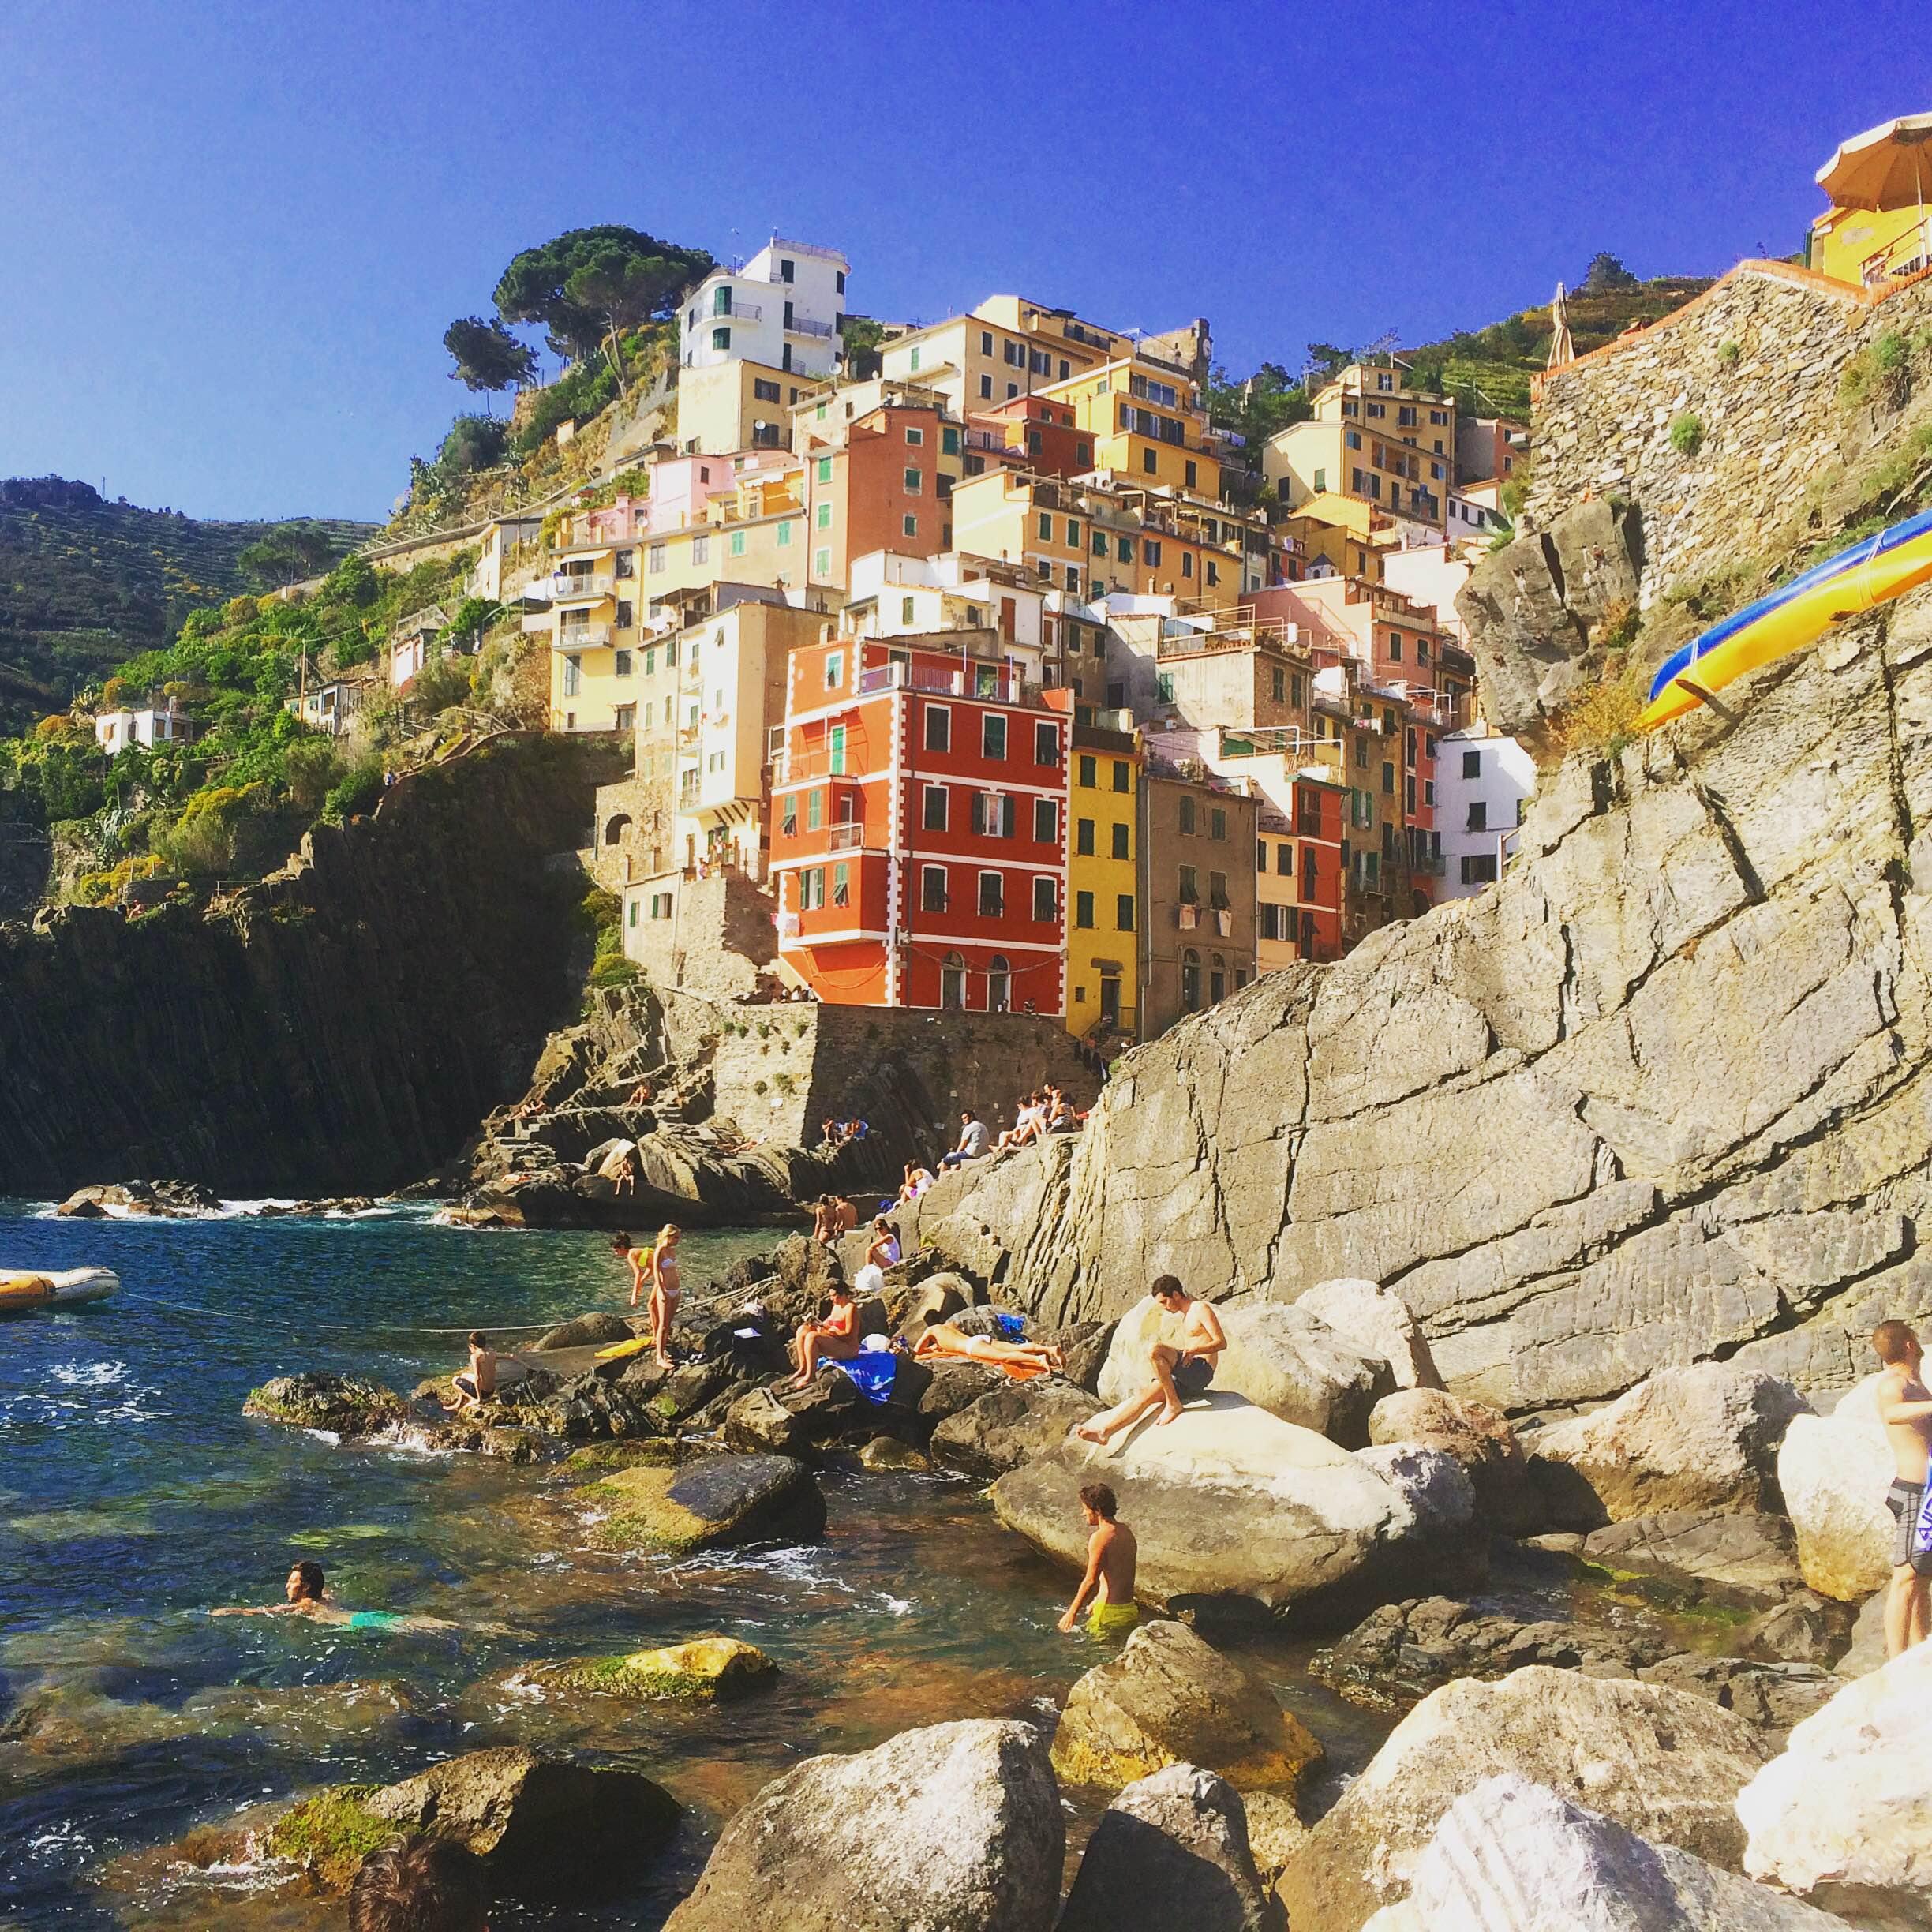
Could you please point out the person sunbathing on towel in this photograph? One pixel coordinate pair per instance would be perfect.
(836, 1338)
(942, 1339)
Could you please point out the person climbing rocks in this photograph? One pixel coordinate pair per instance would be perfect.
(1905, 1408)
(477, 1384)
(1111, 1556)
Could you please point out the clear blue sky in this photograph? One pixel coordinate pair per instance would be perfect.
(235, 230)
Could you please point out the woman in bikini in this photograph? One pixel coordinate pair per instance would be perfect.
(664, 1292)
(942, 1339)
(836, 1338)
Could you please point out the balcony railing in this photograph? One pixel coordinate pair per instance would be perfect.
(565, 584)
(582, 637)
(738, 311)
(847, 838)
(800, 325)
(1001, 687)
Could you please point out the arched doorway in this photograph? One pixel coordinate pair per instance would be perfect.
(999, 985)
(1190, 981)
(1217, 980)
(614, 831)
(953, 983)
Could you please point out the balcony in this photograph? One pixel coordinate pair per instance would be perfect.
(578, 587)
(582, 637)
(847, 838)
(738, 311)
(800, 325)
(1001, 687)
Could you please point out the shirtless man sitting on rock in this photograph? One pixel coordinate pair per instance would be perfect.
(1180, 1373)
(1905, 1408)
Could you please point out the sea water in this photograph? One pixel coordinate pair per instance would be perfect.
(134, 1496)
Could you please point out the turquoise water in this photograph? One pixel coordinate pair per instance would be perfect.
(134, 1495)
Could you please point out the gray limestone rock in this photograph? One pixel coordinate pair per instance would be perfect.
(956, 1828)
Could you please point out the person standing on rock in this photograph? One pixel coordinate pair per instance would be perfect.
(665, 1288)
(1182, 1369)
(1905, 1408)
(1111, 1554)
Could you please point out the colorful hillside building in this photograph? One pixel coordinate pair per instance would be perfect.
(1104, 926)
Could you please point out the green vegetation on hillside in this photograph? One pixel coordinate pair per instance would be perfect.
(238, 796)
(85, 583)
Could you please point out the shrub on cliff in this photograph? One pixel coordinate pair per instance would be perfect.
(355, 793)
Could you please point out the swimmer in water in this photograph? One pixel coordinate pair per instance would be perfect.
(305, 1595)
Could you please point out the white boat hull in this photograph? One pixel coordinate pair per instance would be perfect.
(23, 1292)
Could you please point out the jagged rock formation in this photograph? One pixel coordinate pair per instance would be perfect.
(1661, 1095)
(339, 1028)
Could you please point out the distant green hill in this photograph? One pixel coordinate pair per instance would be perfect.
(85, 584)
(1493, 366)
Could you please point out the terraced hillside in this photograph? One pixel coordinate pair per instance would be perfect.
(86, 583)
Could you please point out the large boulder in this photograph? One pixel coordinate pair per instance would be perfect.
(957, 1828)
(1704, 1438)
(1231, 1505)
(1750, 1558)
(1007, 1426)
(1833, 1471)
(1515, 1856)
(337, 1405)
(598, 1330)
(545, 1827)
(1845, 1817)
(1374, 1321)
(765, 1421)
(1662, 1762)
(1170, 1698)
(720, 1500)
(1279, 1356)
(1478, 1438)
(1171, 1850)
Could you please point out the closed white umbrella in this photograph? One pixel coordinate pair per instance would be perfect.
(1562, 349)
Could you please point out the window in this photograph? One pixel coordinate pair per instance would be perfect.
(1217, 891)
(1122, 779)
(1190, 981)
(994, 815)
(1120, 840)
(1284, 860)
(1046, 744)
(1046, 822)
(811, 889)
(1479, 869)
(1478, 816)
(953, 983)
(1149, 549)
(633, 911)
(912, 481)
(1217, 822)
(1279, 685)
(986, 388)
(821, 561)
(1394, 647)
(992, 895)
(1187, 563)
(914, 434)
(1123, 912)
(736, 546)
(655, 560)
(1123, 548)
(1272, 920)
(1319, 481)
(764, 392)
(1472, 764)
(785, 268)
(1084, 838)
(1164, 692)
(825, 463)
(1261, 855)
(1192, 475)
(721, 338)
(814, 810)
(909, 525)
(932, 888)
(1088, 772)
(939, 728)
(785, 534)
(985, 342)
(621, 664)
(1188, 892)
(1185, 813)
(573, 676)
(1045, 902)
(934, 815)
(1388, 775)
(1099, 543)
(836, 763)
(993, 735)
(787, 824)
(1083, 909)
(661, 905)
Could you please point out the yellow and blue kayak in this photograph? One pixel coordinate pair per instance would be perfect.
(1872, 572)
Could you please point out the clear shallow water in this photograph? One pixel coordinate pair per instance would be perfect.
(134, 1495)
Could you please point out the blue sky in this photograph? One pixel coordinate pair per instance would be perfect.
(235, 232)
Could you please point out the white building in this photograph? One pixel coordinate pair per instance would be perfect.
(1483, 785)
(894, 595)
(151, 724)
(784, 308)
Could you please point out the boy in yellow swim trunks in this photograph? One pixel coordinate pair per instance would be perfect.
(1111, 1552)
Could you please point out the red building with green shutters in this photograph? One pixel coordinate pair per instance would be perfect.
(919, 824)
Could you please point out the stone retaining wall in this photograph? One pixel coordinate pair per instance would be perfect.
(1757, 360)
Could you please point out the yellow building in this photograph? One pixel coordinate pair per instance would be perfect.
(736, 405)
(1007, 347)
(1146, 423)
(1879, 225)
(1104, 935)
(1865, 245)
(1347, 533)
(1371, 438)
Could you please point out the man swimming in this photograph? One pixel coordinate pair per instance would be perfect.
(1180, 1373)
(305, 1594)
(1905, 1408)
(1111, 1556)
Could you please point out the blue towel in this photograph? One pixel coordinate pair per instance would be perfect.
(873, 1369)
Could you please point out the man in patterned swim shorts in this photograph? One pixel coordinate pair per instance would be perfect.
(1905, 1408)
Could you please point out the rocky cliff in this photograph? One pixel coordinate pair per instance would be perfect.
(340, 1028)
(1662, 1095)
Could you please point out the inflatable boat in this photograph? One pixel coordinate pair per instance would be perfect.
(23, 1294)
(1872, 572)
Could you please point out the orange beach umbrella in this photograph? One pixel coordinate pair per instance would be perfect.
(1885, 167)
